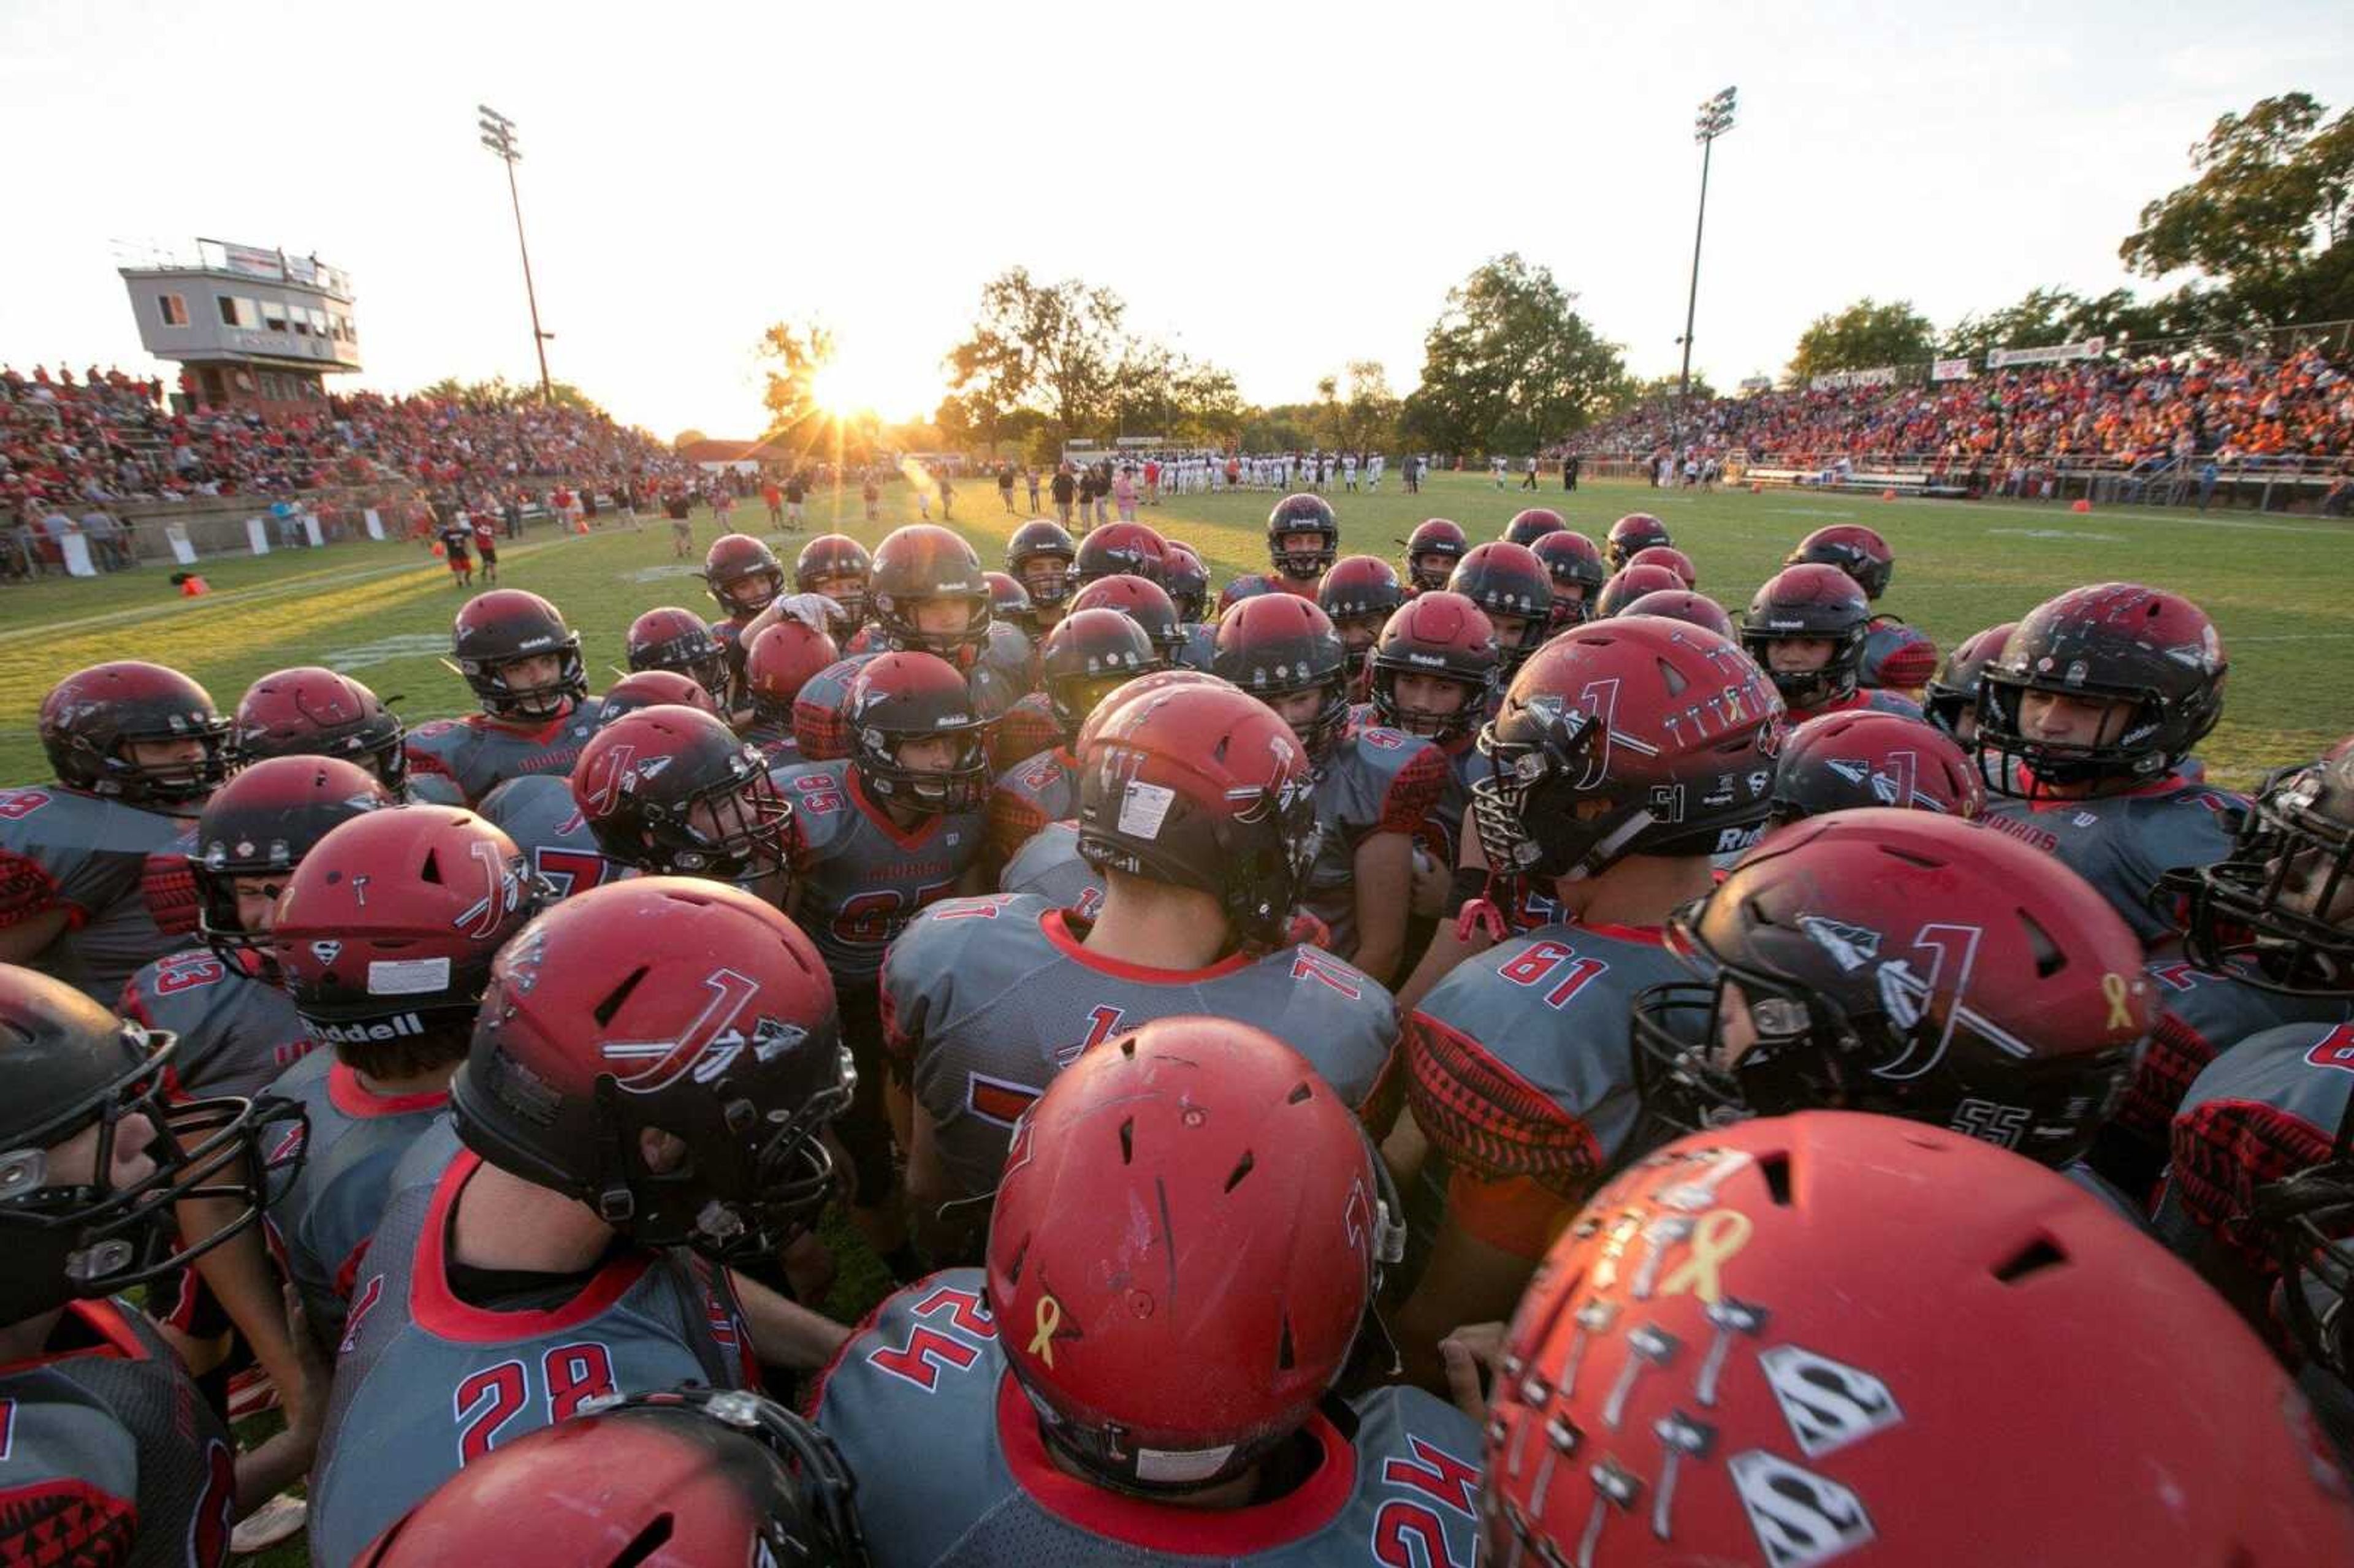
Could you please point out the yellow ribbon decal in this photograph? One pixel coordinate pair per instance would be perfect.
(2114, 986)
(1719, 1235)
(1049, 1319)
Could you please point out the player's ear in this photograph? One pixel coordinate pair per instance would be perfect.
(660, 1151)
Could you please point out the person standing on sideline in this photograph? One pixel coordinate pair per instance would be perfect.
(486, 544)
(796, 488)
(2208, 474)
(948, 495)
(869, 493)
(1005, 487)
(1529, 480)
(1569, 466)
(1029, 479)
(1123, 492)
(1064, 487)
(775, 497)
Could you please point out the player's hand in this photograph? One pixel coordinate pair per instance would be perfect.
(1432, 882)
(1468, 1352)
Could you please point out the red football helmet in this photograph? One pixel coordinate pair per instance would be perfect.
(1626, 737)
(1302, 514)
(91, 717)
(664, 1002)
(1837, 762)
(1682, 604)
(924, 562)
(1431, 552)
(1040, 555)
(1009, 601)
(672, 790)
(1532, 524)
(1789, 1340)
(1630, 583)
(1280, 644)
(388, 927)
(779, 663)
(903, 697)
(1577, 572)
(1362, 590)
(1809, 602)
(1514, 589)
(312, 712)
(1636, 530)
(495, 630)
(838, 567)
(1120, 549)
(1668, 556)
(743, 575)
(1858, 551)
(653, 688)
(1908, 964)
(1090, 654)
(261, 823)
(1183, 780)
(1187, 580)
(670, 638)
(1953, 692)
(1445, 636)
(1171, 1352)
(1243, 586)
(1146, 603)
(685, 1479)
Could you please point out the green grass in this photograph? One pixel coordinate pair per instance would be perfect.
(2278, 588)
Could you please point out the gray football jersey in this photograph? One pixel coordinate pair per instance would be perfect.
(426, 1383)
(1029, 795)
(1008, 651)
(1200, 641)
(1024, 727)
(1377, 780)
(237, 1031)
(325, 1213)
(1048, 865)
(860, 880)
(539, 812)
(1401, 1488)
(120, 871)
(989, 998)
(1896, 655)
(2123, 843)
(458, 761)
(2207, 1014)
(108, 1454)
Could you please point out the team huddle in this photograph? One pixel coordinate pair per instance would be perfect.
(1482, 1058)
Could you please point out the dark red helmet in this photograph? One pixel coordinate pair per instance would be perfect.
(779, 663)
(1302, 514)
(1626, 737)
(924, 562)
(1837, 762)
(261, 823)
(1192, 783)
(672, 790)
(1532, 524)
(493, 631)
(388, 927)
(1636, 530)
(1668, 556)
(742, 574)
(1858, 551)
(1146, 603)
(1440, 541)
(1630, 583)
(670, 638)
(664, 1002)
(2154, 652)
(837, 566)
(1188, 582)
(1682, 604)
(67, 1065)
(1221, 1322)
(653, 688)
(312, 712)
(1243, 586)
(1790, 1340)
(1514, 589)
(1953, 692)
(1120, 549)
(1360, 589)
(901, 697)
(1009, 601)
(1088, 655)
(1040, 554)
(92, 718)
(1278, 644)
(681, 1479)
(1447, 638)
(1909, 964)
(1809, 602)
(2283, 900)
(1577, 573)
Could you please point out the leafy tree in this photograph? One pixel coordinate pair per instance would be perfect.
(1369, 419)
(792, 356)
(2046, 316)
(1509, 365)
(1056, 347)
(687, 437)
(1864, 336)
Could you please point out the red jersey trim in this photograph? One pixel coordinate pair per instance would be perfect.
(539, 736)
(440, 1313)
(2161, 786)
(1164, 1527)
(925, 827)
(1056, 927)
(1644, 936)
(103, 1318)
(356, 1100)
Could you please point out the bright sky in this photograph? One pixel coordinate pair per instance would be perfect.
(1279, 188)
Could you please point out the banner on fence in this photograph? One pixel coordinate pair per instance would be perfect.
(177, 536)
(1879, 375)
(1757, 384)
(2053, 354)
(75, 550)
(375, 524)
(310, 529)
(1949, 370)
(256, 535)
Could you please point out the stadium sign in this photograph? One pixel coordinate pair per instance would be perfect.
(1757, 384)
(1879, 375)
(1949, 369)
(2056, 354)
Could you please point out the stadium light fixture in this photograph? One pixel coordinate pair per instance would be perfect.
(1714, 119)
(499, 136)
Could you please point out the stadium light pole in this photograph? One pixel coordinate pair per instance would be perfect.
(499, 136)
(1714, 120)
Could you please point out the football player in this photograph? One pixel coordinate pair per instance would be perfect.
(1129, 549)
(1090, 654)
(671, 638)
(1009, 650)
(1630, 583)
(673, 791)
(1431, 552)
(1180, 1405)
(2085, 720)
(1837, 762)
(1625, 754)
(1532, 523)
(1682, 604)
(1514, 589)
(1435, 673)
(308, 711)
(1793, 1340)
(1040, 555)
(1375, 787)
(1668, 556)
(783, 659)
(524, 665)
(94, 874)
(1193, 805)
(744, 578)
(1805, 626)
(1577, 573)
(1358, 594)
(635, 1116)
(838, 567)
(1951, 698)
(1894, 654)
(1636, 530)
(1302, 537)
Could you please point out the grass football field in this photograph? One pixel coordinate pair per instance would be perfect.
(2278, 587)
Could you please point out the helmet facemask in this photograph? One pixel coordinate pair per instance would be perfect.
(2282, 897)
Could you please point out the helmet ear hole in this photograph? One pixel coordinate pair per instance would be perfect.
(2037, 1255)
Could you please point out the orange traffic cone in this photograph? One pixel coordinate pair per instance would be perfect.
(581, 527)
(1888, 494)
(193, 587)
(2081, 506)
(1756, 488)
(437, 549)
